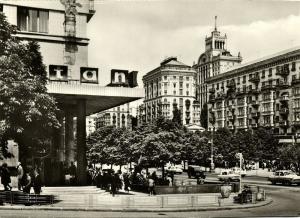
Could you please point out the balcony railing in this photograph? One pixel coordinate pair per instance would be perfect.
(267, 87)
(284, 111)
(255, 114)
(296, 123)
(284, 123)
(295, 81)
(283, 84)
(284, 98)
(254, 79)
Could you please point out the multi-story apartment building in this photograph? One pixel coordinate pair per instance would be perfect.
(171, 85)
(214, 61)
(119, 117)
(60, 28)
(265, 92)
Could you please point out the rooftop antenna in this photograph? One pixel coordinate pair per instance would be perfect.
(216, 17)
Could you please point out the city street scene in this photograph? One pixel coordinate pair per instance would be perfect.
(149, 108)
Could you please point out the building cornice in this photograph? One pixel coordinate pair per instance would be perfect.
(266, 62)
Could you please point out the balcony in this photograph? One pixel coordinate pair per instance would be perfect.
(253, 90)
(284, 111)
(283, 70)
(241, 92)
(255, 114)
(254, 103)
(295, 81)
(296, 123)
(284, 123)
(284, 98)
(283, 84)
(267, 87)
(254, 79)
(212, 90)
(211, 98)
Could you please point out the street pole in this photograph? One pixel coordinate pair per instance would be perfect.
(240, 173)
(212, 152)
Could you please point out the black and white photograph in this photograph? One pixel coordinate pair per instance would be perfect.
(149, 108)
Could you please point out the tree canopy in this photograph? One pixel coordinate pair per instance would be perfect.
(27, 112)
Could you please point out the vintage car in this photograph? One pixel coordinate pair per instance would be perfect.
(196, 172)
(174, 169)
(237, 170)
(285, 177)
(228, 175)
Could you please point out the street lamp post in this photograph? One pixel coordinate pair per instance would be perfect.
(212, 165)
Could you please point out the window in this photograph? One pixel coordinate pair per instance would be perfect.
(180, 92)
(270, 72)
(187, 85)
(165, 77)
(180, 84)
(187, 78)
(293, 66)
(174, 92)
(187, 93)
(238, 80)
(165, 92)
(174, 77)
(217, 86)
(1, 8)
(244, 79)
(174, 84)
(263, 74)
(33, 20)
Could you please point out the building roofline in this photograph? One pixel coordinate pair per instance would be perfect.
(258, 62)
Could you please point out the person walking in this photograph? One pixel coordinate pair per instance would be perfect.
(72, 171)
(20, 175)
(27, 183)
(151, 185)
(5, 177)
(37, 182)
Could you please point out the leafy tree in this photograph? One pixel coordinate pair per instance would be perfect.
(289, 157)
(27, 112)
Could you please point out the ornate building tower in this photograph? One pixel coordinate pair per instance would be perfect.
(214, 61)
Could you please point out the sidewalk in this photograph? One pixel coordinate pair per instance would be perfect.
(137, 202)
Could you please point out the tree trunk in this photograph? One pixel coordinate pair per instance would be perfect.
(163, 171)
(111, 166)
(120, 167)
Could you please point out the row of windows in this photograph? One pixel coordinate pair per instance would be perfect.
(263, 75)
(175, 77)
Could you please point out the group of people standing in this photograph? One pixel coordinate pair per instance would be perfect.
(26, 179)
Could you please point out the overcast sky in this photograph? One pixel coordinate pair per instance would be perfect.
(138, 35)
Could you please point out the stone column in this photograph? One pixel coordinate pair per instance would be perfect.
(81, 144)
(69, 138)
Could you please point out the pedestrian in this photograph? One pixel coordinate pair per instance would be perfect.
(27, 183)
(151, 185)
(126, 182)
(5, 177)
(113, 184)
(20, 175)
(72, 171)
(37, 182)
(169, 178)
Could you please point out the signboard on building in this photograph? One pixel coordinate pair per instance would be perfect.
(58, 72)
(88, 75)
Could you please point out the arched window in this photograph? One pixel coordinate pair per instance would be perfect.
(120, 78)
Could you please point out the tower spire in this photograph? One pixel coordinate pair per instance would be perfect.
(216, 23)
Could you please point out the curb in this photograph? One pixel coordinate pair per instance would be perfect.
(246, 206)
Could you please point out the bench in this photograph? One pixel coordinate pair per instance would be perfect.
(16, 197)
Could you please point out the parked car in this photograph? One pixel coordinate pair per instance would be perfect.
(174, 169)
(228, 175)
(196, 172)
(285, 177)
(237, 170)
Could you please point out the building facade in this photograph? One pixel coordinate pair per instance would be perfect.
(170, 86)
(119, 116)
(60, 28)
(214, 61)
(265, 92)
